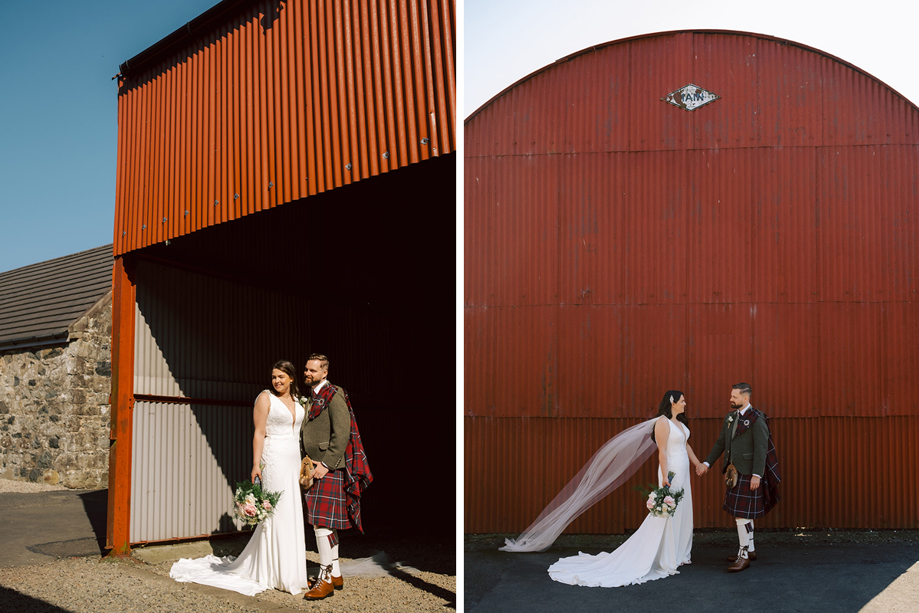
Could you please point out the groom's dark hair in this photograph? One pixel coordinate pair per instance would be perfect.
(323, 360)
(743, 388)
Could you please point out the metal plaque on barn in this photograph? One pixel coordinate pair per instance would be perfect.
(690, 97)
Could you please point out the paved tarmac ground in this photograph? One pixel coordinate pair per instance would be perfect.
(41, 526)
(806, 571)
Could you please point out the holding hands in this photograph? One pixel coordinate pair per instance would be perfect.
(701, 469)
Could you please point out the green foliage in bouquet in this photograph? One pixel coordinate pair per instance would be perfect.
(661, 501)
(253, 504)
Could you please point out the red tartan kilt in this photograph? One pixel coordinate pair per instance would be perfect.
(326, 505)
(744, 503)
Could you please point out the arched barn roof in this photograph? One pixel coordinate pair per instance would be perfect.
(687, 210)
(781, 85)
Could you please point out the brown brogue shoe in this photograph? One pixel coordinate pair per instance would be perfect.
(751, 555)
(320, 589)
(337, 582)
(739, 565)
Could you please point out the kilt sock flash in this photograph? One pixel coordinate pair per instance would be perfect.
(744, 536)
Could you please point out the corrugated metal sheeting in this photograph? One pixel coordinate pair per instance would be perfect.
(281, 101)
(205, 337)
(617, 246)
(179, 485)
(836, 471)
(212, 341)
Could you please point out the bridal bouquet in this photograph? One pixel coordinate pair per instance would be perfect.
(253, 504)
(661, 501)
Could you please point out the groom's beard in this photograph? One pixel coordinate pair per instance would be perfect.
(736, 406)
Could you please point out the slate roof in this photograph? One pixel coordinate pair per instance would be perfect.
(39, 302)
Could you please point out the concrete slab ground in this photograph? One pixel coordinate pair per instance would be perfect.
(805, 571)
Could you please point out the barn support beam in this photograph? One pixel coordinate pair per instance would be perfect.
(122, 402)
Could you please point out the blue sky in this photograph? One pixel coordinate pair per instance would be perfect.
(58, 105)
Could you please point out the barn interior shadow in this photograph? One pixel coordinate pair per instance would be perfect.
(373, 265)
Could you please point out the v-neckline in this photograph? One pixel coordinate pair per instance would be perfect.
(681, 427)
(293, 421)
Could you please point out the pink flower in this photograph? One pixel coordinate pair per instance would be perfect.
(266, 504)
(669, 501)
(249, 510)
(650, 504)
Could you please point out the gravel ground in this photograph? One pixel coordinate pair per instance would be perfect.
(25, 487)
(90, 584)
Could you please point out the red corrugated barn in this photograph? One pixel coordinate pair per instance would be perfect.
(689, 210)
(285, 185)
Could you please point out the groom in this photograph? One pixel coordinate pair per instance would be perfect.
(329, 436)
(746, 442)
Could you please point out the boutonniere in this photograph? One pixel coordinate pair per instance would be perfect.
(303, 400)
(730, 419)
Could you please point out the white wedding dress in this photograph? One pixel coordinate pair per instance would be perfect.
(275, 556)
(656, 549)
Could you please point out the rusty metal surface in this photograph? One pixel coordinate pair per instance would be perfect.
(117, 534)
(279, 102)
(514, 467)
(617, 246)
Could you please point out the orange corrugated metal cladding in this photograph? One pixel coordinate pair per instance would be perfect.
(282, 101)
(617, 245)
(334, 120)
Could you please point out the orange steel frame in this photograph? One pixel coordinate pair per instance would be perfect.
(122, 402)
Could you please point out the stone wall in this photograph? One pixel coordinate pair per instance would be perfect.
(54, 406)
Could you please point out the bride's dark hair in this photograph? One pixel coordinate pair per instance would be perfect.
(665, 408)
(291, 371)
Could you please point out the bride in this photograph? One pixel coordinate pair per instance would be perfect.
(275, 556)
(660, 545)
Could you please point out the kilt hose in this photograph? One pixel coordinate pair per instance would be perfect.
(742, 502)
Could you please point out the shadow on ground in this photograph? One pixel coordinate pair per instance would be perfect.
(11, 600)
(795, 571)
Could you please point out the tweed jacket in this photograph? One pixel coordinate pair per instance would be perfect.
(325, 438)
(747, 450)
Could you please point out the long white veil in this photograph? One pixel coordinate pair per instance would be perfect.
(617, 460)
